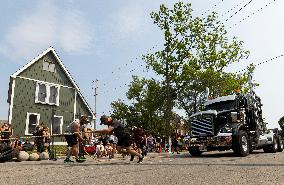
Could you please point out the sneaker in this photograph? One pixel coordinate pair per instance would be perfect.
(82, 158)
(145, 152)
(67, 160)
(140, 160)
(132, 158)
(78, 160)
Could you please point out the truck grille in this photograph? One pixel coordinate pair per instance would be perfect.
(202, 125)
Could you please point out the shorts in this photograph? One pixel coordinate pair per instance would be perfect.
(140, 145)
(124, 141)
(71, 140)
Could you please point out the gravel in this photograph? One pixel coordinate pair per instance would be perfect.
(211, 168)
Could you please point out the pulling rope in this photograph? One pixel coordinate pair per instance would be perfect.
(53, 135)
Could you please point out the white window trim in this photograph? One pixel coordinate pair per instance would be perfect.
(61, 124)
(47, 94)
(27, 122)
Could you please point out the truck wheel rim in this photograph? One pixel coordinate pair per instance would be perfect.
(244, 143)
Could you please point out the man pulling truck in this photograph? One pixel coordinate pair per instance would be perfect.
(74, 134)
(124, 139)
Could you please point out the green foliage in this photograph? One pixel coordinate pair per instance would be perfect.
(196, 54)
(281, 123)
(146, 109)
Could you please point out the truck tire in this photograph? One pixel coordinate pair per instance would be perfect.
(194, 151)
(271, 148)
(9, 155)
(241, 145)
(280, 144)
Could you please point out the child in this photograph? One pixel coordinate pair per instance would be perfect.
(100, 150)
(109, 150)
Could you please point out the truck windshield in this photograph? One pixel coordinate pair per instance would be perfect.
(221, 106)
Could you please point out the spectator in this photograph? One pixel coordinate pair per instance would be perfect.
(6, 132)
(17, 143)
(140, 141)
(100, 149)
(46, 139)
(39, 139)
(150, 143)
(27, 146)
(158, 142)
(109, 150)
(175, 146)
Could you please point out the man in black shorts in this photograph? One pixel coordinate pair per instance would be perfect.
(124, 139)
(72, 136)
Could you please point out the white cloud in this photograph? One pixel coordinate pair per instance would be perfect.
(46, 26)
(130, 21)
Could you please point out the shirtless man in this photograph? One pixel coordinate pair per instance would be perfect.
(72, 140)
(124, 140)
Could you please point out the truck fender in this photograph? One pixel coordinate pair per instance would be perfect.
(236, 129)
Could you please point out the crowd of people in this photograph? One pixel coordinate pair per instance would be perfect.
(83, 141)
(41, 138)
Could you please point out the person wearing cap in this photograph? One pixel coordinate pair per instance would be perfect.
(124, 139)
(72, 138)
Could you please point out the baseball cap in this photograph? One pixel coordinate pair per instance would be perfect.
(103, 119)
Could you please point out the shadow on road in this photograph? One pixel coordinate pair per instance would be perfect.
(213, 155)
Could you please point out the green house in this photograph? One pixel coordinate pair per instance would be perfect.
(44, 91)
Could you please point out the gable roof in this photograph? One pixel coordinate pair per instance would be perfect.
(51, 49)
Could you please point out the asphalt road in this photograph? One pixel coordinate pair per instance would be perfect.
(211, 168)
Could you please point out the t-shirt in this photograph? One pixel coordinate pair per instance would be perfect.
(139, 135)
(118, 130)
(150, 140)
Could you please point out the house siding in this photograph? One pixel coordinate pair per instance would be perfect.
(25, 92)
(36, 71)
(24, 101)
(81, 109)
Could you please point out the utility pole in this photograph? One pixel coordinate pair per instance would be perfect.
(95, 88)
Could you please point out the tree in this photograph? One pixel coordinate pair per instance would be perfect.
(146, 108)
(281, 123)
(195, 55)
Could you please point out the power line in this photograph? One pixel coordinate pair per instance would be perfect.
(233, 8)
(238, 10)
(118, 70)
(214, 6)
(263, 62)
(252, 14)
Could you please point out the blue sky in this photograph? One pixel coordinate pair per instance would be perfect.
(104, 40)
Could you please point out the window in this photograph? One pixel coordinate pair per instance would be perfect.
(48, 66)
(53, 94)
(41, 92)
(47, 94)
(57, 125)
(31, 121)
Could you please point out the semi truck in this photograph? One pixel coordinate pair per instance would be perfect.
(232, 122)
